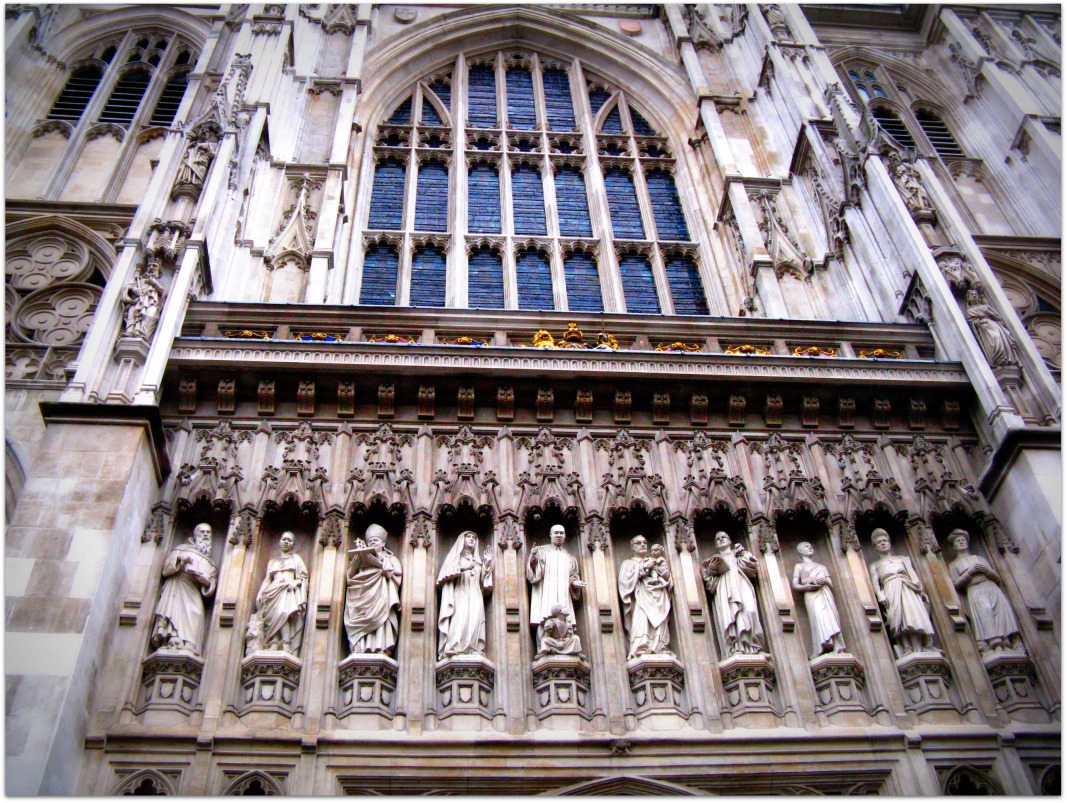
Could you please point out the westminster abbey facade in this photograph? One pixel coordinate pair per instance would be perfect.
(563, 399)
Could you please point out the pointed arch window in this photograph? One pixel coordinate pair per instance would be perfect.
(126, 97)
(380, 268)
(169, 100)
(511, 161)
(939, 135)
(894, 127)
(71, 103)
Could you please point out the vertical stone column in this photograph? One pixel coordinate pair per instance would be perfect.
(512, 679)
(83, 508)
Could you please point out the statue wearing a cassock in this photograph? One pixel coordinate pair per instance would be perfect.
(554, 580)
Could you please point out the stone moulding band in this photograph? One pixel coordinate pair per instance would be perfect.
(705, 365)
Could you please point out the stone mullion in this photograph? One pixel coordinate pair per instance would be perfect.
(517, 675)
(596, 195)
(459, 188)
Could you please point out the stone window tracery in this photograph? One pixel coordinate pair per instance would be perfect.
(505, 148)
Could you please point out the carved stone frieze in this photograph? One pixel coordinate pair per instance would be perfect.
(627, 482)
(786, 484)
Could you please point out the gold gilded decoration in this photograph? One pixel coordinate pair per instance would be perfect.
(246, 334)
(813, 351)
(606, 341)
(572, 338)
(402, 339)
(880, 354)
(748, 349)
(544, 340)
(319, 337)
(464, 340)
(677, 345)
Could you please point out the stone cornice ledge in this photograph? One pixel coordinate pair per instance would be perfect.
(499, 361)
(54, 412)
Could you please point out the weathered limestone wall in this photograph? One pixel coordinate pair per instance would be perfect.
(84, 503)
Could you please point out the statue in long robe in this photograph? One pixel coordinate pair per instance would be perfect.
(189, 576)
(992, 618)
(554, 580)
(372, 600)
(813, 581)
(281, 602)
(996, 341)
(464, 578)
(644, 587)
(734, 608)
(898, 588)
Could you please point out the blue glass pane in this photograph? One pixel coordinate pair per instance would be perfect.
(572, 203)
(428, 277)
(612, 123)
(529, 201)
(535, 280)
(431, 197)
(597, 98)
(380, 265)
(641, 126)
(482, 97)
(387, 196)
(402, 115)
(666, 208)
(483, 210)
(686, 288)
(486, 280)
(429, 113)
(520, 98)
(583, 283)
(622, 203)
(638, 284)
(558, 100)
(443, 90)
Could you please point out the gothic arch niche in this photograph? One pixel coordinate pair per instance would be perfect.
(148, 782)
(537, 523)
(255, 783)
(969, 781)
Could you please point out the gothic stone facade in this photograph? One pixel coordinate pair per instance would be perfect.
(786, 273)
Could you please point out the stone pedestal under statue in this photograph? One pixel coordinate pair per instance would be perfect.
(748, 681)
(169, 681)
(368, 685)
(1012, 676)
(464, 689)
(269, 681)
(926, 678)
(656, 682)
(561, 689)
(839, 682)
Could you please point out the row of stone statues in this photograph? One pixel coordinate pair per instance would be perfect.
(372, 598)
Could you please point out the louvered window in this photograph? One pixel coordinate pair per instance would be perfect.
(125, 98)
(613, 122)
(482, 96)
(521, 112)
(638, 284)
(429, 113)
(71, 103)
(169, 101)
(431, 197)
(687, 291)
(597, 98)
(895, 127)
(583, 283)
(428, 277)
(641, 126)
(486, 287)
(443, 90)
(528, 200)
(483, 201)
(387, 196)
(402, 114)
(666, 207)
(534, 280)
(572, 203)
(558, 104)
(380, 267)
(622, 203)
(505, 122)
(940, 137)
